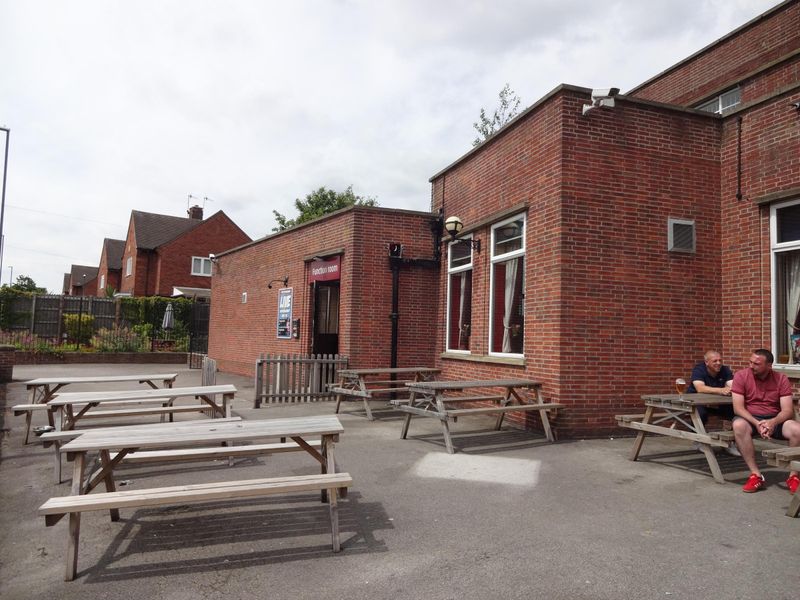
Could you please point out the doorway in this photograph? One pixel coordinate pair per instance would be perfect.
(325, 334)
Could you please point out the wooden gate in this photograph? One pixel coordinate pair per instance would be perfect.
(296, 377)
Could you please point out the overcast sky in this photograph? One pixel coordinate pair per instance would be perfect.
(116, 106)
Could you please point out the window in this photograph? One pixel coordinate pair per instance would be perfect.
(129, 266)
(722, 102)
(201, 266)
(785, 251)
(102, 282)
(459, 296)
(507, 297)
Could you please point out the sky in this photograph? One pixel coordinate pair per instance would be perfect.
(244, 106)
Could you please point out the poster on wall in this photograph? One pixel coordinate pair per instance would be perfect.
(285, 313)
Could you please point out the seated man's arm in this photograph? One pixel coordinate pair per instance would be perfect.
(740, 411)
(786, 414)
(702, 388)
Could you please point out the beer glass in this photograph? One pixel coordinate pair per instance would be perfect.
(680, 387)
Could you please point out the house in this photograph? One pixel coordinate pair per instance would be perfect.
(606, 241)
(162, 252)
(80, 281)
(110, 269)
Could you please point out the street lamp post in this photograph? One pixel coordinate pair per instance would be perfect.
(3, 196)
(11, 274)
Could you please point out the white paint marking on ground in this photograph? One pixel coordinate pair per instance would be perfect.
(489, 469)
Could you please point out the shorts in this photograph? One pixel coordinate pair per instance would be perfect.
(777, 433)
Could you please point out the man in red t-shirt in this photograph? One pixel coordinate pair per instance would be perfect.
(762, 403)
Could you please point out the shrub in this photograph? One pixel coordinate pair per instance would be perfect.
(79, 328)
(120, 340)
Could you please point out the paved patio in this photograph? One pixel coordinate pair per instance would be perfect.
(509, 516)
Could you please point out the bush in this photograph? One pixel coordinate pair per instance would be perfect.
(120, 340)
(79, 328)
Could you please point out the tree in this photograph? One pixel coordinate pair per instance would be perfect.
(321, 202)
(26, 284)
(508, 109)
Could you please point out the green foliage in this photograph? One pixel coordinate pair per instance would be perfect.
(110, 291)
(26, 284)
(321, 202)
(9, 317)
(508, 109)
(79, 328)
(121, 340)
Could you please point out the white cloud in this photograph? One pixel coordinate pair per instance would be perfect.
(115, 106)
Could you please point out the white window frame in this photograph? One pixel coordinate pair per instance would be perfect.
(714, 105)
(129, 266)
(499, 259)
(204, 260)
(103, 282)
(453, 271)
(777, 248)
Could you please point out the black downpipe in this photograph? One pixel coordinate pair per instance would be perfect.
(395, 263)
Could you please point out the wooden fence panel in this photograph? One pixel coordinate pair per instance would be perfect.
(296, 378)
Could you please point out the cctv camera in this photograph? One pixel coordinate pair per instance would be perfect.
(604, 93)
(212, 256)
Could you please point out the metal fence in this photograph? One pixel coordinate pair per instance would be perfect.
(296, 378)
(50, 323)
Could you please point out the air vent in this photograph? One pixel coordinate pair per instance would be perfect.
(680, 235)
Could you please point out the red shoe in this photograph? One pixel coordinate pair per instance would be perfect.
(793, 482)
(754, 483)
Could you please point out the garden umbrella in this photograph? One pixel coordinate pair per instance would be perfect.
(168, 322)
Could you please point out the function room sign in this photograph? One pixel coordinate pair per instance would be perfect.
(285, 314)
(324, 270)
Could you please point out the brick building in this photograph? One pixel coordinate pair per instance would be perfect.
(337, 271)
(110, 268)
(80, 281)
(162, 252)
(620, 237)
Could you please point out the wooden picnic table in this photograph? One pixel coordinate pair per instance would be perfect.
(43, 389)
(122, 441)
(433, 398)
(365, 384)
(678, 417)
(68, 408)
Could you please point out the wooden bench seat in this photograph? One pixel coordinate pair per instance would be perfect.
(28, 410)
(781, 456)
(144, 410)
(56, 508)
(217, 452)
(486, 410)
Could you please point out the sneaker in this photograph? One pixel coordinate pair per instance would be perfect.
(754, 483)
(733, 450)
(793, 483)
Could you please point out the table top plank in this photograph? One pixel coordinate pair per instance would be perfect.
(386, 371)
(438, 386)
(140, 394)
(212, 432)
(687, 400)
(100, 379)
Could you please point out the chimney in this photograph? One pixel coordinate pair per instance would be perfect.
(195, 212)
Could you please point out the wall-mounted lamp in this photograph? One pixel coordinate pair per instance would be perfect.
(453, 226)
(284, 281)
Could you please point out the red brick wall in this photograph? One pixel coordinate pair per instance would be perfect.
(127, 283)
(610, 314)
(764, 40)
(770, 140)
(174, 265)
(239, 333)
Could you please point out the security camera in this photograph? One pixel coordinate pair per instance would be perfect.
(604, 93)
(212, 256)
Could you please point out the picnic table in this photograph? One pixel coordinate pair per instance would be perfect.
(365, 384)
(42, 389)
(124, 441)
(68, 408)
(677, 417)
(433, 399)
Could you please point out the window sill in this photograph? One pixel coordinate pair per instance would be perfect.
(791, 371)
(484, 358)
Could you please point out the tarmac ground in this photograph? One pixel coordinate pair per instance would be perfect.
(509, 516)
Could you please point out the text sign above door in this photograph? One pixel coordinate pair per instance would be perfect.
(324, 270)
